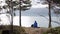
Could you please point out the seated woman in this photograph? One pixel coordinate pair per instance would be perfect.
(34, 25)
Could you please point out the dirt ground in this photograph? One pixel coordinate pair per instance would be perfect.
(30, 30)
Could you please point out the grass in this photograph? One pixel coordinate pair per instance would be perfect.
(53, 31)
(30, 30)
(16, 29)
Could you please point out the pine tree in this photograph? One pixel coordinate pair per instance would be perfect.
(25, 4)
(56, 1)
(21, 5)
(50, 2)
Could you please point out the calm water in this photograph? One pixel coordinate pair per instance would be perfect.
(38, 12)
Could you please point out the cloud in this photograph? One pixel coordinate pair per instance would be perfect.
(38, 5)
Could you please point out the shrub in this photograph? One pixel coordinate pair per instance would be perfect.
(53, 31)
(19, 30)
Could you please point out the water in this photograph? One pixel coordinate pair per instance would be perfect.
(38, 12)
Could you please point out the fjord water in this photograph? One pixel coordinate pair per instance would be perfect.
(38, 12)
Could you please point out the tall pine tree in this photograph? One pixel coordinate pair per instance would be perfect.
(21, 5)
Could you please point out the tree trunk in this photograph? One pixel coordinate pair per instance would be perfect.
(20, 14)
(11, 10)
(49, 14)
